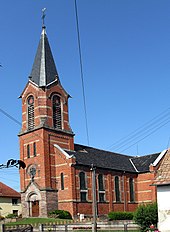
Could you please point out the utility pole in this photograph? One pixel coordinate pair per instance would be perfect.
(94, 225)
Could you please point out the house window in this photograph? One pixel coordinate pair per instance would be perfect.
(15, 212)
(14, 201)
(62, 181)
(101, 188)
(117, 189)
(30, 111)
(57, 112)
(83, 187)
(34, 149)
(28, 151)
(131, 188)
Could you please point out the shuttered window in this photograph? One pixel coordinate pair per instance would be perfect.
(30, 111)
(57, 122)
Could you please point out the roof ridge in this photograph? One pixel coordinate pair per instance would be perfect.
(136, 157)
(104, 150)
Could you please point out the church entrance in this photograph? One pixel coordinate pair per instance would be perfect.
(35, 208)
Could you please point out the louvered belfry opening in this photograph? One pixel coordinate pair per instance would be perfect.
(30, 112)
(57, 112)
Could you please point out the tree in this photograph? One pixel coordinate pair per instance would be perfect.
(146, 215)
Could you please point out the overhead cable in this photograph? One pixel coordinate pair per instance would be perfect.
(81, 70)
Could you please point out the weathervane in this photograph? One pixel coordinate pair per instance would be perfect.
(43, 16)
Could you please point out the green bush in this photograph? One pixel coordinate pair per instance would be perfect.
(61, 214)
(11, 215)
(146, 215)
(120, 215)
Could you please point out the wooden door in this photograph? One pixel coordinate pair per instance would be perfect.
(35, 208)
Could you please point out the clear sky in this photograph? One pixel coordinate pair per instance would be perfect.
(126, 64)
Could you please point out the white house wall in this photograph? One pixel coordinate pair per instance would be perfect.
(163, 199)
(7, 207)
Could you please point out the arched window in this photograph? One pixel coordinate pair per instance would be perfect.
(62, 181)
(83, 187)
(30, 112)
(101, 188)
(57, 122)
(131, 188)
(28, 151)
(34, 149)
(117, 189)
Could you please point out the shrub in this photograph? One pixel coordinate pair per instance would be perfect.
(120, 215)
(146, 215)
(62, 214)
(11, 215)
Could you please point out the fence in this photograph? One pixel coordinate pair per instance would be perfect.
(101, 226)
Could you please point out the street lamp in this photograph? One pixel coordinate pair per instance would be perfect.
(93, 170)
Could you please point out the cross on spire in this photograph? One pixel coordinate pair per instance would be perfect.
(43, 16)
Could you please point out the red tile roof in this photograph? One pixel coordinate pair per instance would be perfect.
(163, 172)
(6, 191)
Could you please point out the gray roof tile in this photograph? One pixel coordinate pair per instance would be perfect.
(86, 155)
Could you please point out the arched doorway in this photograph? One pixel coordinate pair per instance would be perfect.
(34, 205)
(35, 208)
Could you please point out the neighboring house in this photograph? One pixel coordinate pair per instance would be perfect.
(58, 171)
(10, 201)
(162, 181)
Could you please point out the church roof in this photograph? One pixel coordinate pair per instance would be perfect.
(86, 155)
(142, 163)
(44, 71)
(6, 191)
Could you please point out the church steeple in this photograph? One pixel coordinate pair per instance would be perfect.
(44, 71)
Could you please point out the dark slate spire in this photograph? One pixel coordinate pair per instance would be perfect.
(44, 70)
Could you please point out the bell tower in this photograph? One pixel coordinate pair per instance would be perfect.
(45, 122)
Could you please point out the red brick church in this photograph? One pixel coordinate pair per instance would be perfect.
(58, 174)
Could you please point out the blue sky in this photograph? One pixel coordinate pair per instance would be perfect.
(126, 65)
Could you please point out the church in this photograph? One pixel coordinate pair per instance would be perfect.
(58, 172)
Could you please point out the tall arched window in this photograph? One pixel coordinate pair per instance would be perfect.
(117, 189)
(101, 188)
(28, 151)
(34, 149)
(83, 187)
(131, 188)
(30, 112)
(62, 181)
(57, 122)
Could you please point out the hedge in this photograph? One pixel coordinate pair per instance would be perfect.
(61, 214)
(120, 215)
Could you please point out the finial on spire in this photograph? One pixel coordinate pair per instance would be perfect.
(43, 16)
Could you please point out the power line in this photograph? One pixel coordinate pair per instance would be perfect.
(146, 136)
(10, 117)
(151, 124)
(81, 70)
(143, 132)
